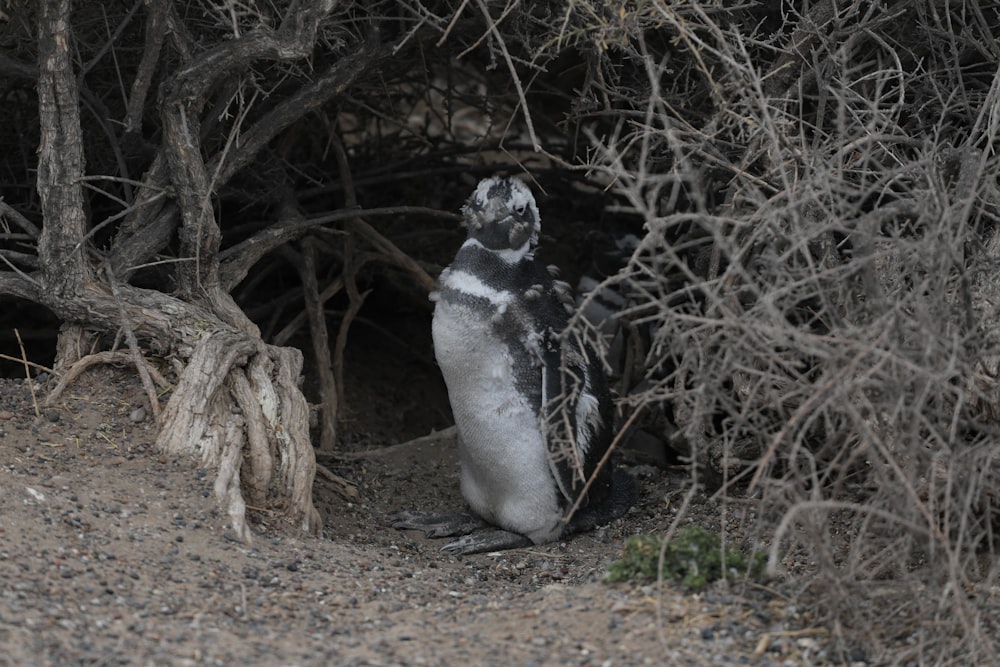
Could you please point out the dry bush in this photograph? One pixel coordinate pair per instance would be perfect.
(820, 276)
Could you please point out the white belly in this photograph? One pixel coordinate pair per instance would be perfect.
(505, 467)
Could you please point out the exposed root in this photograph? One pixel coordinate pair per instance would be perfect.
(261, 408)
(261, 460)
(297, 468)
(113, 357)
(227, 482)
(444, 435)
(343, 487)
(185, 418)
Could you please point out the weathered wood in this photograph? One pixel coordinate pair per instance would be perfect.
(156, 19)
(61, 251)
(258, 447)
(181, 163)
(199, 234)
(186, 416)
(60, 156)
(228, 441)
(298, 467)
(237, 405)
(328, 387)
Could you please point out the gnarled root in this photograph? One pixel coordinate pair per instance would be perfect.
(238, 408)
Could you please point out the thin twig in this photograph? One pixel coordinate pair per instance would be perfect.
(273, 237)
(15, 216)
(679, 516)
(21, 360)
(19, 272)
(27, 373)
(513, 76)
(354, 298)
(603, 462)
(286, 333)
(451, 24)
(140, 362)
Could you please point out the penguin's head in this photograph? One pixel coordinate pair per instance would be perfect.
(501, 215)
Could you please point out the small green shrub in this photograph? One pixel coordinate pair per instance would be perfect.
(694, 558)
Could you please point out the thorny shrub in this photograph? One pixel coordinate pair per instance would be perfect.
(819, 288)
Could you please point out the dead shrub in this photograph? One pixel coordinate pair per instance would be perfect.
(821, 272)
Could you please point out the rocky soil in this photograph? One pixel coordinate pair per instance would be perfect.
(111, 553)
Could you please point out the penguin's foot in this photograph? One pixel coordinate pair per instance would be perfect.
(437, 524)
(472, 540)
(485, 541)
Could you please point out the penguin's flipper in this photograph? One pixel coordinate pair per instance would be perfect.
(577, 416)
(436, 524)
(485, 541)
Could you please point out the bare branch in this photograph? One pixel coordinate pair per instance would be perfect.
(141, 366)
(238, 259)
(155, 33)
(330, 390)
(14, 216)
(308, 99)
(525, 109)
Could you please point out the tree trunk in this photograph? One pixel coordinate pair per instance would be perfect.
(64, 266)
(236, 405)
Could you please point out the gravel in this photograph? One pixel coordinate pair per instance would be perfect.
(113, 554)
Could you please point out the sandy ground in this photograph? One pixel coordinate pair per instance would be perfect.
(111, 553)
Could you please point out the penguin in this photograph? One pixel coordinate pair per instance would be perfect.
(532, 407)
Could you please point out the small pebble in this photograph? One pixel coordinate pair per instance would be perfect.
(5, 415)
(52, 416)
(138, 415)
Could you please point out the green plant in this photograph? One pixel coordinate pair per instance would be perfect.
(694, 557)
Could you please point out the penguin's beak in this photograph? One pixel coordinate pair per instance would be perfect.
(475, 220)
